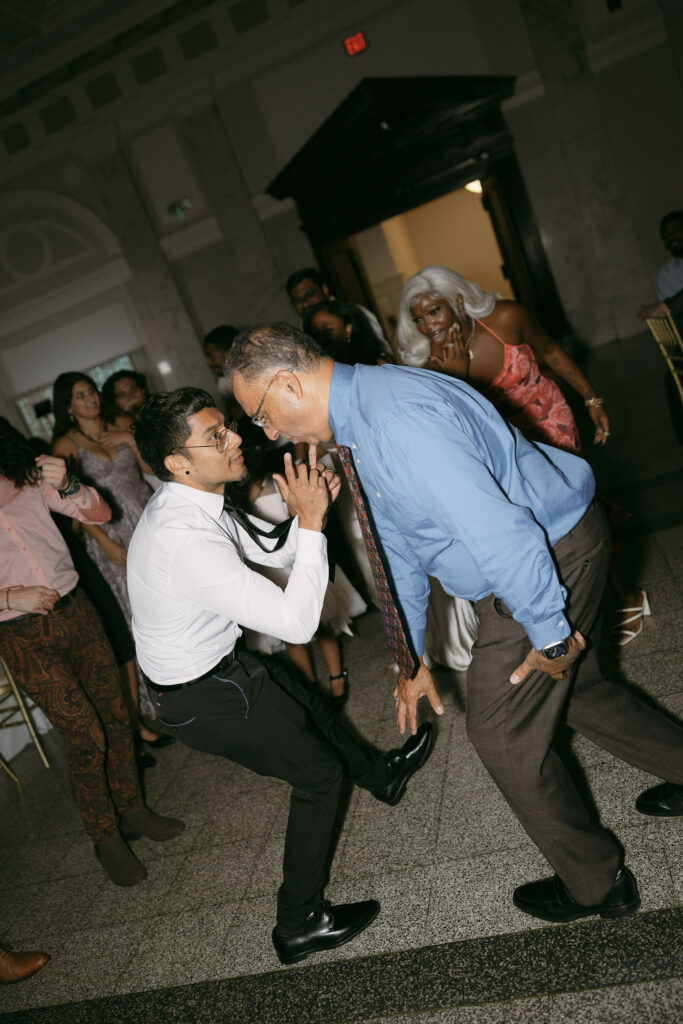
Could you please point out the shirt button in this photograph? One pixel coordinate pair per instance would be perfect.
(378, 494)
(358, 462)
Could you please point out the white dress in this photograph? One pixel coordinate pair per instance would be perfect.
(451, 629)
(342, 601)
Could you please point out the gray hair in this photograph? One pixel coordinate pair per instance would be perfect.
(267, 348)
(443, 282)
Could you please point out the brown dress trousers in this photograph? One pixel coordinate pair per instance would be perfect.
(513, 728)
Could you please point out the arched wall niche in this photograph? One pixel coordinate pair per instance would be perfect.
(54, 254)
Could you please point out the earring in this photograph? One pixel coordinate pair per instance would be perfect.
(72, 418)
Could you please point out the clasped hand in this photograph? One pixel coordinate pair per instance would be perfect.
(308, 489)
(53, 471)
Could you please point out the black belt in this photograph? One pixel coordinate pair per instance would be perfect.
(223, 663)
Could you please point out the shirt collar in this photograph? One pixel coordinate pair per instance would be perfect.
(207, 500)
(340, 402)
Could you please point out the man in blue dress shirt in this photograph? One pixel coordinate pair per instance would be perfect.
(457, 493)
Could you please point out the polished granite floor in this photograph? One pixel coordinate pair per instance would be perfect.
(192, 943)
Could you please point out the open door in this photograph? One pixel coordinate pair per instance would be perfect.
(397, 143)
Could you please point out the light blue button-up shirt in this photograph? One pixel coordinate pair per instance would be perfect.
(457, 493)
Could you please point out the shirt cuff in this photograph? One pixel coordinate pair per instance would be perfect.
(552, 631)
(311, 545)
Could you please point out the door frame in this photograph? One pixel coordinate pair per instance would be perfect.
(397, 143)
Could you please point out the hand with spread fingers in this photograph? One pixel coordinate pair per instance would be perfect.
(407, 694)
(536, 661)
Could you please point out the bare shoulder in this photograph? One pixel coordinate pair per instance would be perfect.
(64, 446)
(508, 319)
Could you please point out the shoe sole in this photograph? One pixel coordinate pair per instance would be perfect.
(297, 957)
(660, 814)
(425, 757)
(622, 911)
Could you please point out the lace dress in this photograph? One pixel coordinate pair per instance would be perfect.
(121, 485)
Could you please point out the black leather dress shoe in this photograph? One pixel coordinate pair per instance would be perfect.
(405, 762)
(549, 899)
(663, 801)
(325, 928)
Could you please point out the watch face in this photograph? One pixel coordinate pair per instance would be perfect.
(557, 650)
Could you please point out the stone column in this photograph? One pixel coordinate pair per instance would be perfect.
(252, 276)
(169, 333)
(597, 259)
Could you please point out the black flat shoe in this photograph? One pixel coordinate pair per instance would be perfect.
(403, 763)
(159, 742)
(325, 928)
(549, 899)
(339, 700)
(663, 801)
(142, 759)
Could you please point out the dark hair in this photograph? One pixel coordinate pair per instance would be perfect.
(363, 345)
(305, 274)
(162, 429)
(267, 348)
(17, 461)
(672, 215)
(62, 391)
(110, 408)
(222, 337)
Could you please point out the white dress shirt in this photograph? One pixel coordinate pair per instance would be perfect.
(189, 586)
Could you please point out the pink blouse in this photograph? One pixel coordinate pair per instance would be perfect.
(32, 550)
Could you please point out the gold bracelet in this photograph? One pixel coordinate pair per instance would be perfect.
(594, 401)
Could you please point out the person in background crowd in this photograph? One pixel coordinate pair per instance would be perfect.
(342, 602)
(344, 331)
(669, 283)
(56, 648)
(122, 395)
(307, 287)
(110, 461)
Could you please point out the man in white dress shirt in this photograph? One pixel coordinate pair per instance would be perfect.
(190, 590)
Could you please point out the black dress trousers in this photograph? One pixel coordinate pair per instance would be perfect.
(253, 713)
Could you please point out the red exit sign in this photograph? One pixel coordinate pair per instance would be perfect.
(355, 44)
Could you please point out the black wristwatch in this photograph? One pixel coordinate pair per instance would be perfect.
(73, 486)
(557, 650)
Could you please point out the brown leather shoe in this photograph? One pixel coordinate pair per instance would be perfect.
(17, 966)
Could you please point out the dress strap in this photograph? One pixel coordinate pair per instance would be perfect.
(496, 336)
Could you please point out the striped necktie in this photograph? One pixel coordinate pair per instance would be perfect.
(393, 624)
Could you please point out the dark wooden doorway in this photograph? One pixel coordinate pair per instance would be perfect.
(396, 143)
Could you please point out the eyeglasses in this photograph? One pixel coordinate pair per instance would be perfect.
(221, 438)
(255, 418)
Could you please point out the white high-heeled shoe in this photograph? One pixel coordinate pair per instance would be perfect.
(620, 633)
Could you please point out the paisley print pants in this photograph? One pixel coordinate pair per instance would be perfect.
(64, 662)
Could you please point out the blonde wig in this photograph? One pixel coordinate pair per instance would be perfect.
(444, 283)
